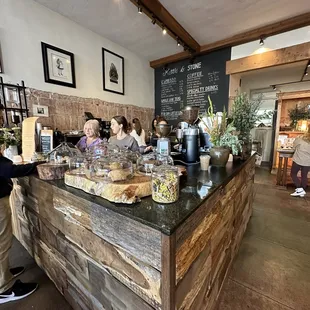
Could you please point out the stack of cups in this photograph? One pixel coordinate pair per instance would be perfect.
(204, 162)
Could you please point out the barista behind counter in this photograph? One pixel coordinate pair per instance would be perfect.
(119, 126)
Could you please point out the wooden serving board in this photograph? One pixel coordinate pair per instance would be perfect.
(49, 171)
(129, 191)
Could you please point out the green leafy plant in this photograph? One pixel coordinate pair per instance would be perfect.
(10, 136)
(221, 133)
(299, 113)
(244, 114)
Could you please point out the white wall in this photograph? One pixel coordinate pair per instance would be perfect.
(25, 23)
(285, 39)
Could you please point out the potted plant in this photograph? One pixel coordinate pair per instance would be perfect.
(223, 136)
(298, 114)
(10, 140)
(244, 115)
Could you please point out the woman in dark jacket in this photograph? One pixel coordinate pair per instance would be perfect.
(10, 291)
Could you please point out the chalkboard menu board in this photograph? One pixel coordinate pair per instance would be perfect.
(188, 83)
(46, 140)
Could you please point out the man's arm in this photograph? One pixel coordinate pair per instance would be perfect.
(9, 170)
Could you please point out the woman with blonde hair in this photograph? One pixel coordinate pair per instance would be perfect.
(301, 162)
(92, 135)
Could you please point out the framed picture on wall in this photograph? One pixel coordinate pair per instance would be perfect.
(113, 72)
(1, 68)
(58, 66)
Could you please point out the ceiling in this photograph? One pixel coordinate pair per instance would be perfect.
(207, 21)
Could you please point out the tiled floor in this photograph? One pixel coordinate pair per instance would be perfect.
(271, 271)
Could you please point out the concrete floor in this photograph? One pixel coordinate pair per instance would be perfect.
(271, 271)
(272, 268)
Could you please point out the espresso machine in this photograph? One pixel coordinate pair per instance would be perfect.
(190, 143)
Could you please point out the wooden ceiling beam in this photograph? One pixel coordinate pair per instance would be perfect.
(278, 57)
(245, 37)
(155, 9)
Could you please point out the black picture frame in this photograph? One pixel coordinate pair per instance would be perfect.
(1, 67)
(47, 74)
(105, 54)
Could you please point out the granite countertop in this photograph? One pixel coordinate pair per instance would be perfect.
(195, 188)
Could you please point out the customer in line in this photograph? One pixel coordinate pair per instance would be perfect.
(138, 133)
(121, 138)
(301, 162)
(92, 135)
(10, 291)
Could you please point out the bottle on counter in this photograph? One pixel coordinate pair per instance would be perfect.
(165, 184)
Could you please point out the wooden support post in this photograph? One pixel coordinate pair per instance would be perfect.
(168, 265)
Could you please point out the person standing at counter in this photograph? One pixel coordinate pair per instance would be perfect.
(138, 133)
(92, 135)
(301, 162)
(10, 291)
(119, 126)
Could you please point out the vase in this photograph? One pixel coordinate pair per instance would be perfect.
(10, 152)
(246, 150)
(219, 156)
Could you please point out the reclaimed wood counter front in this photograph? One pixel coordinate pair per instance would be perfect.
(102, 255)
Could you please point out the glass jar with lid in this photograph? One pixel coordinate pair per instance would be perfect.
(63, 152)
(102, 149)
(80, 165)
(165, 184)
(130, 155)
(113, 168)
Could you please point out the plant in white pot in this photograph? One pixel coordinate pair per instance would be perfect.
(10, 140)
(223, 136)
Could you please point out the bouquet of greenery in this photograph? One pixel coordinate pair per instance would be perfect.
(10, 136)
(221, 133)
(244, 114)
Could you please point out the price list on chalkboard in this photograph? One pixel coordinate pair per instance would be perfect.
(190, 82)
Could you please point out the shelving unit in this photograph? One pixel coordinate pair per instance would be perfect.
(18, 106)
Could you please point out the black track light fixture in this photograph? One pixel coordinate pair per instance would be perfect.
(274, 87)
(140, 11)
(261, 42)
(153, 20)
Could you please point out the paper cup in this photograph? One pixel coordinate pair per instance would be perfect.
(204, 162)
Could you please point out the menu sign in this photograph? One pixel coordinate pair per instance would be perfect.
(189, 83)
(46, 141)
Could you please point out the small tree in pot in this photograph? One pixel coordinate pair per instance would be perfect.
(244, 115)
(223, 136)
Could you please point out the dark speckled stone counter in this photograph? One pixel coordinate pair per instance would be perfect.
(195, 189)
(146, 256)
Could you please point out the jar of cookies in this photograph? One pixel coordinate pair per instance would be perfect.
(165, 184)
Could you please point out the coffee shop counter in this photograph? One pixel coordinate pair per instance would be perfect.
(102, 255)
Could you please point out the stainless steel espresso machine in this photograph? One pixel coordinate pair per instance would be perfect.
(190, 134)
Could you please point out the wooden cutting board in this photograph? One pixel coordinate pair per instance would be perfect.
(129, 191)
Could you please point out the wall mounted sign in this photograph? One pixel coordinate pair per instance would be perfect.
(58, 66)
(113, 72)
(188, 83)
(40, 110)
